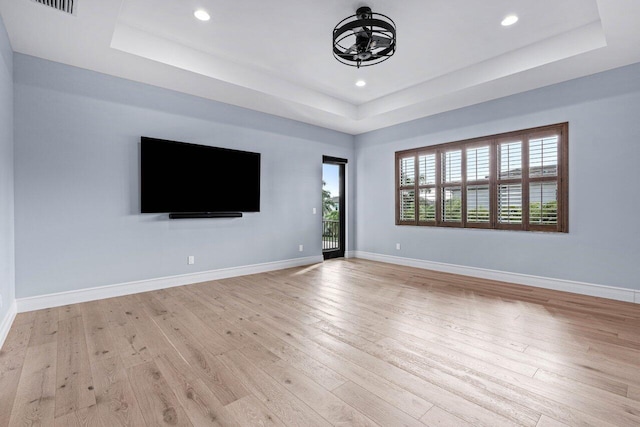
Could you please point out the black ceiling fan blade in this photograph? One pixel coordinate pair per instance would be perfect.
(379, 41)
(352, 49)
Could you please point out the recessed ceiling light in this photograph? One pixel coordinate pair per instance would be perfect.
(201, 15)
(509, 20)
(361, 83)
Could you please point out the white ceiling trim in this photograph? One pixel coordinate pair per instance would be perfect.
(136, 42)
(98, 39)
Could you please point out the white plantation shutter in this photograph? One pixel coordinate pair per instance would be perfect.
(406, 199)
(427, 209)
(543, 157)
(543, 203)
(452, 204)
(478, 203)
(478, 163)
(510, 203)
(452, 166)
(407, 171)
(478, 200)
(543, 192)
(407, 205)
(451, 196)
(427, 168)
(510, 159)
(427, 176)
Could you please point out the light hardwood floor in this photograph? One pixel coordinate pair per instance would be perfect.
(344, 342)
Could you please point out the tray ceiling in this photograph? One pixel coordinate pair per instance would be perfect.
(276, 56)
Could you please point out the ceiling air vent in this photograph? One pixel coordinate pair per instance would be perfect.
(66, 6)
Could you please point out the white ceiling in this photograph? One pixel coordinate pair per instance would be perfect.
(276, 56)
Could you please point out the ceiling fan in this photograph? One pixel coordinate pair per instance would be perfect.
(364, 39)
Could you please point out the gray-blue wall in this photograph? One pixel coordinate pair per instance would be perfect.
(603, 243)
(77, 205)
(6, 174)
(77, 188)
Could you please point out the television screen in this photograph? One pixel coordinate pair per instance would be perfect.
(183, 178)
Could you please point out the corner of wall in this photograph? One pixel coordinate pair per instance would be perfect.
(8, 308)
(7, 321)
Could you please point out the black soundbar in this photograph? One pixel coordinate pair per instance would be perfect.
(188, 215)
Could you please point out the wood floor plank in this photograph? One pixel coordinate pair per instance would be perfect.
(200, 404)
(474, 405)
(12, 357)
(342, 342)
(249, 411)
(325, 403)
(398, 395)
(549, 422)
(115, 400)
(192, 325)
(100, 342)
(520, 389)
(291, 356)
(376, 409)
(85, 417)
(259, 355)
(69, 311)
(207, 366)
(438, 417)
(74, 382)
(621, 372)
(274, 396)
(158, 404)
(133, 347)
(595, 399)
(25, 317)
(35, 402)
(45, 327)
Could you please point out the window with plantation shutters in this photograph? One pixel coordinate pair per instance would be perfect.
(511, 181)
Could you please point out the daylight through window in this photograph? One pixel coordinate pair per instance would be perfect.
(514, 181)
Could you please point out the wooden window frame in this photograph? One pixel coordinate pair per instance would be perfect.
(493, 141)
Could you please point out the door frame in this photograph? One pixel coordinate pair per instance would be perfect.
(342, 166)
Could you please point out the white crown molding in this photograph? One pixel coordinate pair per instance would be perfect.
(582, 288)
(5, 324)
(39, 302)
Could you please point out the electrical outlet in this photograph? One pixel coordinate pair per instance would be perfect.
(398, 246)
(301, 248)
(191, 260)
(315, 211)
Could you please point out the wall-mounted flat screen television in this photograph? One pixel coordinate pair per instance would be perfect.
(180, 177)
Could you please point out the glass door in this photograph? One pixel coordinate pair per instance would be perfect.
(333, 207)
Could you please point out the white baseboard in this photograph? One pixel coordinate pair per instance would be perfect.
(6, 323)
(610, 292)
(21, 305)
(350, 254)
(91, 294)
